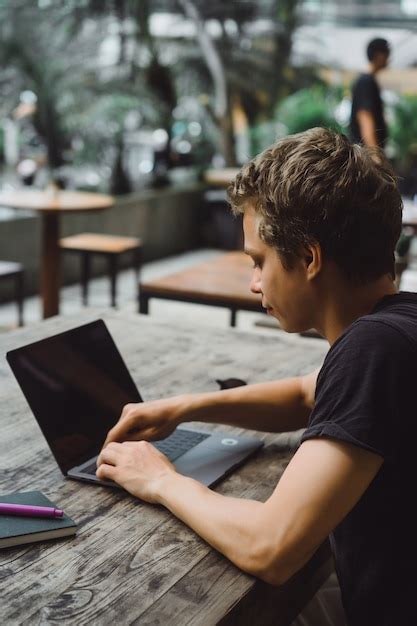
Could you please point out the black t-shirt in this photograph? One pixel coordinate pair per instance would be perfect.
(366, 396)
(366, 96)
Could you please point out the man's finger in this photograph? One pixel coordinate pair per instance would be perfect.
(137, 443)
(120, 430)
(126, 409)
(108, 454)
(106, 472)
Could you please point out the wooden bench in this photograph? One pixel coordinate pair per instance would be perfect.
(223, 281)
(110, 246)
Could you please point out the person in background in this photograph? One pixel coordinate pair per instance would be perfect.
(367, 122)
(368, 126)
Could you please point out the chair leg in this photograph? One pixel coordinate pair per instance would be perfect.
(19, 297)
(137, 264)
(143, 304)
(85, 276)
(113, 278)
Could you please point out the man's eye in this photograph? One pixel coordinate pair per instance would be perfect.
(256, 265)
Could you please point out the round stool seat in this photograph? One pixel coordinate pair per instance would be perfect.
(106, 244)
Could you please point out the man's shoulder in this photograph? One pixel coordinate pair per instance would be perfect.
(393, 317)
(392, 325)
(364, 81)
(365, 77)
(374, 330)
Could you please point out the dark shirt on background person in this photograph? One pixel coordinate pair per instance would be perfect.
(366, 95)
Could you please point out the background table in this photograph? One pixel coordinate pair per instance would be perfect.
(132, 562)
(51, 204)
(221, 177)
(223, 281)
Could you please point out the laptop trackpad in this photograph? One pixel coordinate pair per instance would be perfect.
(209, 463)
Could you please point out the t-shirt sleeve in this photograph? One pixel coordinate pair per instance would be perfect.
(358, 389)
(365, 96)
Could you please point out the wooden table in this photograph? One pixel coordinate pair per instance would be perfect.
(51, 205)
(221, 177)
(223, 281)
(132, 562)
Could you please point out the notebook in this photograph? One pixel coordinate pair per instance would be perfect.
(15, 530)
(76, 384)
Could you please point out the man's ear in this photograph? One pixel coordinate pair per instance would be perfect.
(313, 260)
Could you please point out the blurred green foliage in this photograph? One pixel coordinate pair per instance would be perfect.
(308, 108)
(93, 63)
(403, 131)
(304, 109)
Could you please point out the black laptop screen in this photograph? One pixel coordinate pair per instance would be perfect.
(76, 384)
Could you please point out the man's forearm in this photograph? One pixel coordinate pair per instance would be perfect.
(276, 406)
(367, 128)
(230, 525)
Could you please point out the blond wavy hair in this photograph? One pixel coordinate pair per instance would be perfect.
(317, 187)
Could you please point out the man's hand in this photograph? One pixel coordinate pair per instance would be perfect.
(136, 466)
(147, 420)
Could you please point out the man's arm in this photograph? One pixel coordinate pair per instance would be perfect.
(270, 540)
(276, 406)
(367, 127)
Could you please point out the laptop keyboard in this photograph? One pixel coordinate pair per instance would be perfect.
(173, 446)
(179, 442)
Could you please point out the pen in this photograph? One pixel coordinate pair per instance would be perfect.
(27, 510)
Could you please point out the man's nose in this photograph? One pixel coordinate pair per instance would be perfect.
(255, 283)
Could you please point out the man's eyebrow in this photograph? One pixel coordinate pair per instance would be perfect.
(250, 252)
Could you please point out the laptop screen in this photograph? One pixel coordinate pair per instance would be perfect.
(76, 384)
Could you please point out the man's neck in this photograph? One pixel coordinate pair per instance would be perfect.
(345, 304)
(373, 69)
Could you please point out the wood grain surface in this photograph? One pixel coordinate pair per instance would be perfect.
(134, 563)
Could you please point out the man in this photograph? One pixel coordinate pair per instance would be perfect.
(321, 218)
(368, 126)
(367, 122)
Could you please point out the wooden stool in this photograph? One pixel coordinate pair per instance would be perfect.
(109, 246)
(8, 269)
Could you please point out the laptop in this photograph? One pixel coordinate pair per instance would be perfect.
(76, 384)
